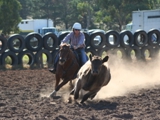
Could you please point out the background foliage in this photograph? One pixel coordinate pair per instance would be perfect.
(103, 14)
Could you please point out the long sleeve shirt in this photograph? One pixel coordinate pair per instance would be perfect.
(78, 41)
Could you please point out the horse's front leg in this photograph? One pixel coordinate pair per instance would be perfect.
(70, 83)
(57, 82)
(70, 95)
(90, 94)
(77, 89)
(65, 81)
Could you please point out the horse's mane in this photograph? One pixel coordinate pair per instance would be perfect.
(68, 45)
(65, 44)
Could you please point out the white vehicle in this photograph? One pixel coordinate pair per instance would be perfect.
(41, 26)
(145, 20)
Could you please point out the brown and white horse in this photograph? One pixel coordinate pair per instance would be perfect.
(92, 76)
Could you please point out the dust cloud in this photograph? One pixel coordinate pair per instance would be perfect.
(130, 77)
(127, 77)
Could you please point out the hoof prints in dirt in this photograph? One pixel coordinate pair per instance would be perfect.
(20, 98)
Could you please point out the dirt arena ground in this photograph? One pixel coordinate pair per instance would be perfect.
(133, 93)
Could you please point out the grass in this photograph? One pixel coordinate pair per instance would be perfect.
(25, 59)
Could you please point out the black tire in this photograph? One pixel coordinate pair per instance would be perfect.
(92, 51)
(28, 39)
(130, 40)
(137, 40)
(0, 61)
(122, 52)
(53, 54)
(3, 41)
(116, 38)
(156, 51)
(12, 56)
(150, 35)
(143, 50)
(119, 52)
(100, 43)
(30, 56)
(103, 52)
(45, 41)
(62, 36)
(11, 43)
(39, 54)
(136, 50)
(87, 39)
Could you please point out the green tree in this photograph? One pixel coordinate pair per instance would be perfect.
(60, 11)
(9, 15)
(65, 12)
(115, 14)
(27, 8)
(85, 10)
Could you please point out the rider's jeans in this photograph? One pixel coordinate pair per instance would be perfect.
(82, 55)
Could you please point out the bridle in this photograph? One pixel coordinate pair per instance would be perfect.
(71, 64)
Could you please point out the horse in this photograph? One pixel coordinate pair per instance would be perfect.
(92, 76)
(67, 67)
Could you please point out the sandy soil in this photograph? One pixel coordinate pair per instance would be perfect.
(133, 93)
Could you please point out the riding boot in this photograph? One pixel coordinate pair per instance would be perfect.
(52, 70)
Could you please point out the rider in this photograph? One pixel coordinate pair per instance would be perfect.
(77, 41)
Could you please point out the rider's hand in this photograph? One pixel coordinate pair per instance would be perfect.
(75, 47)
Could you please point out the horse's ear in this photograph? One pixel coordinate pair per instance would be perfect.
(90, 57)
(105, 59)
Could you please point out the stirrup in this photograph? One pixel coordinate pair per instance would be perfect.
(52, 70)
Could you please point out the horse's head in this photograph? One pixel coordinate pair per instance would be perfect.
(96, 63)
(64, 52)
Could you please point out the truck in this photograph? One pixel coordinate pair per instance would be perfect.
(145, 20)
(41, 26)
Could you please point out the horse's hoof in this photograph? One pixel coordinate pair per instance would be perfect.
(82, 102)
(53, 94)
(70, 99)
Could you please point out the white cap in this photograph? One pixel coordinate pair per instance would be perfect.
(77, 26)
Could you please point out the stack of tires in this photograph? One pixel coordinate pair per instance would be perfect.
(139, 46)
(98, 42)
(32, 46)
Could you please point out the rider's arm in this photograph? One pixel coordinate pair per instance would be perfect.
(81, 42)
(67, 38)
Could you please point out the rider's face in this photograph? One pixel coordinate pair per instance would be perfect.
(76, 31)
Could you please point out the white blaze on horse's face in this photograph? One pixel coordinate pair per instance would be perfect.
(63, 55)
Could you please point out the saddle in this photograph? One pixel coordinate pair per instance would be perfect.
(77, 54)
